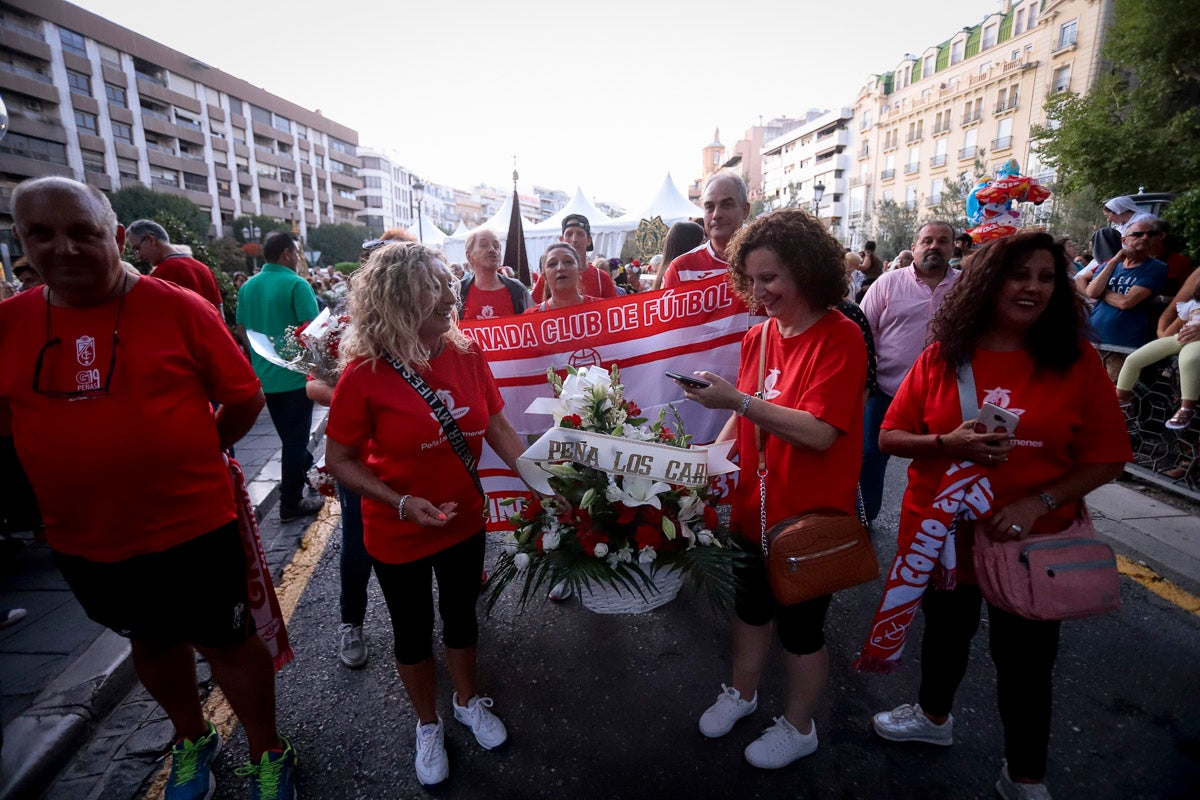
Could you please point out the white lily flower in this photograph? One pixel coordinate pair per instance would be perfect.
(690, 507)
(637, 491)
(521, 561)
(704, 536)
(551, 538)
(647, 555)
(601, 550)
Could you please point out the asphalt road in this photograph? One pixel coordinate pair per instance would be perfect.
(604, 707)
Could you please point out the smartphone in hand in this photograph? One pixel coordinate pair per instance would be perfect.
(994, 419)
(688, 380)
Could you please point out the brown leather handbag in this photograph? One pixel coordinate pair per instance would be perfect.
(814, 554)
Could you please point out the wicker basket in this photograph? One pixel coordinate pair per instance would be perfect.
(605, 599)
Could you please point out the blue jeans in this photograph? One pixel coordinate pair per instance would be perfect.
(355, 564)
(291, 413)
(874, 463)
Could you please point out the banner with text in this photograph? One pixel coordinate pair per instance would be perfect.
(698, 325)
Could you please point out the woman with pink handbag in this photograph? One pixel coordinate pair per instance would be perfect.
(1015, 321)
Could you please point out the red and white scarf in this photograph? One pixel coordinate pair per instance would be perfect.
(925, 553)
(264, 605)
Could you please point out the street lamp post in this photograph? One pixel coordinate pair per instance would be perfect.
(252, 232)
(818, 193)
(419, 195)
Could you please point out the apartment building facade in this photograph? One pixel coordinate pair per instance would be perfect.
(92, 100)
(965, 106)
(387, 193)
(815, 153)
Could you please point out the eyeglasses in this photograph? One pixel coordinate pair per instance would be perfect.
(1140, 234)
(79, 394)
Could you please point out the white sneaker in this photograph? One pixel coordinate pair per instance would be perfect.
(780, 745)
(561, 591)
(488, 729)
(1009, 789)
(908, 723)
(432, 763)
(722, 715)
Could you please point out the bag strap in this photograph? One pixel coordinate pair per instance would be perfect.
(760, 437)
(443, 415)
(967, 394)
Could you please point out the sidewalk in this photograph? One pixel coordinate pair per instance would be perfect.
(61, 673)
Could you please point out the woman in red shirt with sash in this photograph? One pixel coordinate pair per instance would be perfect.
(1016, 318)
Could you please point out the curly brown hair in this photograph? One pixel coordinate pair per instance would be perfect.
(809, 252)
(1055, 341)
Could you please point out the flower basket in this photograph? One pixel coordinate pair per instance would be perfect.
(628, 513)
(605, 599)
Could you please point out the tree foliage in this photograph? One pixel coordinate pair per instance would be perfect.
(340, 242)
(142, 202)
(1140, 123)
(228, 255)
(1183, 215)
(264, 224)
(894, 227)
(181, 234)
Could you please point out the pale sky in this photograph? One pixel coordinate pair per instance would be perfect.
(608, 95)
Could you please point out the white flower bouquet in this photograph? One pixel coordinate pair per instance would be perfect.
(628, 499)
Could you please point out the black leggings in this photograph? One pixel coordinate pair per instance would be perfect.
(408, 590)
(1023, 651)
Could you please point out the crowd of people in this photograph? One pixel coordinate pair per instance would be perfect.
(863, 357)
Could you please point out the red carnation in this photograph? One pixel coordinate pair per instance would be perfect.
(665, 434)
(631, 409)
(625, 514)
(573, 421)
(647, 536)
(710, 518)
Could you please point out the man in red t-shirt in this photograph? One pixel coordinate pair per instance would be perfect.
(149, 241)
(594, 282)
(485, 293)
(726, 208)
(109, 377)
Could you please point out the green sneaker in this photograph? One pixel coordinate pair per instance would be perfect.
(274, 775)
(191, 767)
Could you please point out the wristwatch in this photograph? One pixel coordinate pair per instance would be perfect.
(1049, 500)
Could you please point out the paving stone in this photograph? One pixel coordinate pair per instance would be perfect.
(154, 738)
(95, 759)
(128, 716)
(84, 788)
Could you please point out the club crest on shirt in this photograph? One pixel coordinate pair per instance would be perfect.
(448, 401)
(85, 350)
(769, 390)
(1001, 397)
(487, 312)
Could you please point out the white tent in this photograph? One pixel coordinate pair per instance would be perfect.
(668, 203)
(455, 245)
(428, 232)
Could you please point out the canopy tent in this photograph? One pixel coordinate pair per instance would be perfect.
(668, 203)
(608, 234)
(428, 232)
(455, 245)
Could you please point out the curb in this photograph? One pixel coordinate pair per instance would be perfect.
(41, 742)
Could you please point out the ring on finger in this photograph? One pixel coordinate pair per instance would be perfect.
(1016, 528)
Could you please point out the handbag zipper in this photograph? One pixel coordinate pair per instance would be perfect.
(793, 561)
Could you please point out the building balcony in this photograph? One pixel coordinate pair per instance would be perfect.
(916, 137)
(911, 167)
(23, 40)
(971, 119)
(1003, 143)
(864, 152)
(967, 152)
(1005, 108)
(887, 174)
(938, 160)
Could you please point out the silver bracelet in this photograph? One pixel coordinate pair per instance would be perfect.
(746, 398)
(400, 505)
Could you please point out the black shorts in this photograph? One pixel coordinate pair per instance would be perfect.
(194, 592)
(801, 627)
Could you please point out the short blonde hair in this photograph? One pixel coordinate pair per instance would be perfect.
(390, 296)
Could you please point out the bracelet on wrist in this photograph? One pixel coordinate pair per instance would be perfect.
(746, 398)
(1049, 500)
(400, 505)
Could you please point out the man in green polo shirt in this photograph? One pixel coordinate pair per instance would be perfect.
(271, 301)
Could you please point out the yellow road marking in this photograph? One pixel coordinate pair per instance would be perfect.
(1158, 584)
(295, 578)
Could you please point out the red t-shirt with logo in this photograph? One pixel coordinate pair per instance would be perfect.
(399, 439)
(139, 470)
(821, 371)
(1066, 418)
(592, 281)
(487, 304)
(190, 274)
(694, 265)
